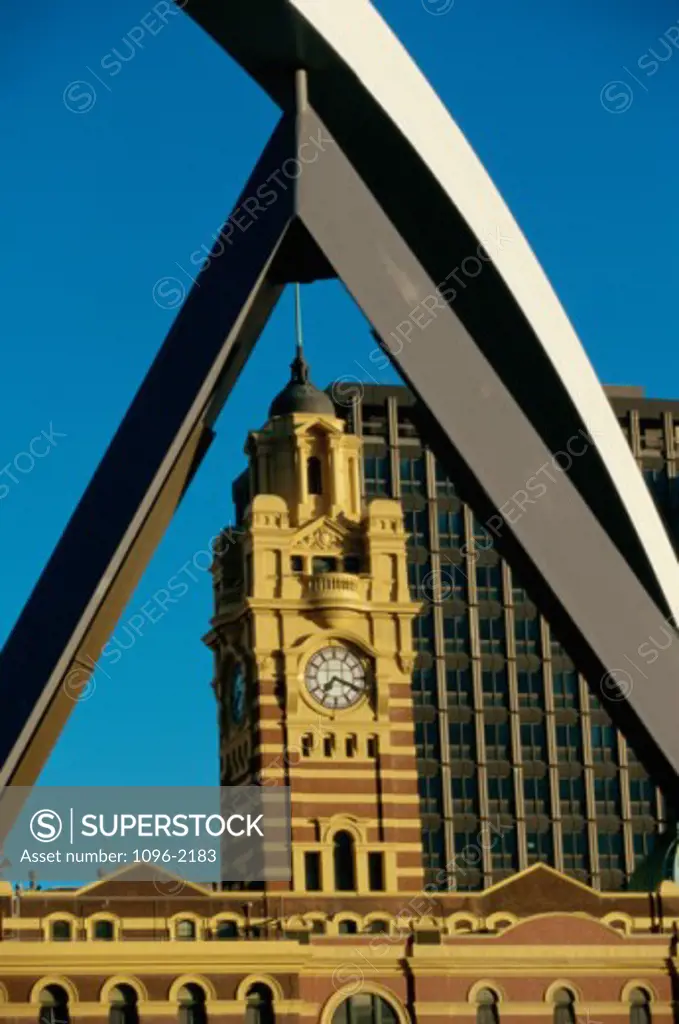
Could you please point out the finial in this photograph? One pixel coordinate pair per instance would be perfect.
(300, 370)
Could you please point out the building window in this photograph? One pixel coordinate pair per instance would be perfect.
(376, 475)
(641, 794)
(611, 851)
(424, 687)
(61, 931)
(536, 795)
(607, 795)
(54, 1006)
(451, 529)
(297, 563)
(123, 1005)
(495, 688)
(312, 872)
(428, 741)
(372, 746)
(531, 689)
(328, 746)
(639, 1007)
(564, 1006)
(376, 872)
(412, 476)
(307, 745)
(572, 795)
(604, 743)
(448, 584)
(364, 1008)
(533, 741)
(526, 636)
(314, 476)
(347, 927)
(350, 746)
(504, 854)
(191, 999)
(492, 633)
(259, 1005)
(186, 929)
(569, 743)
(344, 858)
(461, 736)
(565, 687)
(455, 634)
(321, 565)
(423, 633)
(496, 735)
(574, 851)
(227, 930)
(444, 485)
(465, 794)
(459, 686)
(643, 843)
(429, 788)
(416, 523)
(103, 930)
(486, 1007)
(489, 582)
(422, 582)
(539, 847)
(377, 927)
(500, 794)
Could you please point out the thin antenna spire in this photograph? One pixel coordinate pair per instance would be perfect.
(298, 322)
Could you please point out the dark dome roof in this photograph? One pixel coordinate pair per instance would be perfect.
(300, 395)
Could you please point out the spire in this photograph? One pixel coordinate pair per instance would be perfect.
(299, 365)
(300, 394)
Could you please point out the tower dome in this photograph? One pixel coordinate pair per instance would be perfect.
(300, 394)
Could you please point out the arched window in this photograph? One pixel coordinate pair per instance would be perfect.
(486, 1007)
(639, 1007)
(345, 862)
(227, 930)
(53, 1005)
(191, 999)
(564, 1006)
(259, 1003)
(61, 931)
(314, 476)
(378, 927)
(364, 1008)
(103, 930)
(123, 1005)
(186, 929)
(348, 927)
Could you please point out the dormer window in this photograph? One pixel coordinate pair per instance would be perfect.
(314, 476)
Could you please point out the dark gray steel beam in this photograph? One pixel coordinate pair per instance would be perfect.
(136, 488)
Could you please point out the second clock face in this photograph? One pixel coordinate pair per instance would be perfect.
(335, 677)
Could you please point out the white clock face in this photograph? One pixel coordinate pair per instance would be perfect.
(335, 677)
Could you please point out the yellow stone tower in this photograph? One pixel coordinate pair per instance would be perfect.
(312, 636)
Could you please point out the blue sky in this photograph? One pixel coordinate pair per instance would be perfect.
(573, 116)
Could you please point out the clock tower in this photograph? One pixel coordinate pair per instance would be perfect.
(312, 638)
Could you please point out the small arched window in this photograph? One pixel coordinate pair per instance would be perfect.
(486, 1007)
(639, 1007)
(61, 931)
(259, 1005)
(227, 930)
(103, 930)
(366, 1009)
(314, 476)
(564, 1006)
(347, 927)
(186, 929)
(53, 1005)
(378, 927)
(123, 1005)
(344, 858)
(191, 999)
